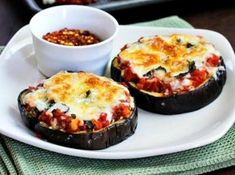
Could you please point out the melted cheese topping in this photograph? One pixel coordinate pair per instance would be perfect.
(173, 53)
(83, 94)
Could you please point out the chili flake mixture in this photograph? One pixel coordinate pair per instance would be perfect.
(72, 37)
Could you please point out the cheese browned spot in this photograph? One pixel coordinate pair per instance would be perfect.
(85, 94)
(170, 52)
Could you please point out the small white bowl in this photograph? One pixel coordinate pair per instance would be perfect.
(52, 58)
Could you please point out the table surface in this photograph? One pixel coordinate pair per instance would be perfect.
(218, 16)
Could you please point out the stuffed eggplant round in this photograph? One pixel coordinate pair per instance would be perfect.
(79, 110)
(171, 74)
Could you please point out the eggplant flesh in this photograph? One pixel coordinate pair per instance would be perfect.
(175, 104)
(90, 140)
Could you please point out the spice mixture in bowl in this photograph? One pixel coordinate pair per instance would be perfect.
(72, 37)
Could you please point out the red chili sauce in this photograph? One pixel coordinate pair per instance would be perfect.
(71, 37)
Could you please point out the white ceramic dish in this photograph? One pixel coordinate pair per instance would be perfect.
(53, 57)
(155, 134)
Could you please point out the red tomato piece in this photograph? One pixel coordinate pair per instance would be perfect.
(97, 124)
(198, 77)
(129, 75)
(152, 85)
(103, 116)
(82, 128)
(213, 61)
(105, 123)
(121, 111)
(44, 117)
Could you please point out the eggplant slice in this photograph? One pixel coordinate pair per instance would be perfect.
(91, 140)
(175, 104)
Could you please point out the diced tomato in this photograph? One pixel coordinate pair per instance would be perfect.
(213, 61)
(82, 128)
(44, 117)
(198, 77)
(141, 83)
(61, 116)
(64, 121)
(121, 111)
(103, 119)
(103, 116)
(125, 111)
(154, 85)
(167, 89)
(105, 123)
(151, 84)
(129, 75)
(97, 124)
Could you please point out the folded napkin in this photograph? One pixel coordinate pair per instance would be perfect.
(20, 158)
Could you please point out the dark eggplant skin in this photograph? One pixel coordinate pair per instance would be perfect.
(29, 118)
(90, 140)
(175, 104)
(111, 135)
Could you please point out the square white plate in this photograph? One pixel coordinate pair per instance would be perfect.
(155, 135)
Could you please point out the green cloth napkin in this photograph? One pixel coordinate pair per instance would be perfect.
(20, 158)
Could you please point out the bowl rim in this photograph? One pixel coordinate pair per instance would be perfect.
(110, 38)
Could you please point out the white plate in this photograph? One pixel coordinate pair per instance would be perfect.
(155, 135)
